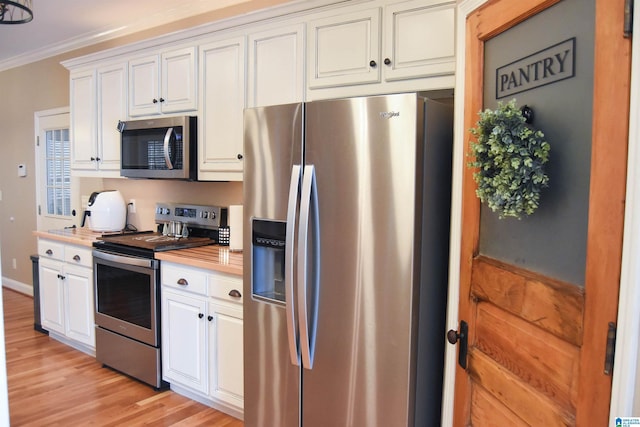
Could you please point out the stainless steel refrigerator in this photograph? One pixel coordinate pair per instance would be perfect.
(346, 233)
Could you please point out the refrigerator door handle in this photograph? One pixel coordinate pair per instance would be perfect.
(292, 207)
(308, 308)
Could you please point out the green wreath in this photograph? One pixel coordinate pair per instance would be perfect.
(510, 158)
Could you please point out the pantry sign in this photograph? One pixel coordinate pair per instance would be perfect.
(544, 67)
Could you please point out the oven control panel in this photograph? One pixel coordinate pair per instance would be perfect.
(200, 216)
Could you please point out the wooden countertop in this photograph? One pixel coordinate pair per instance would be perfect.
(212, 257)
(76, 236)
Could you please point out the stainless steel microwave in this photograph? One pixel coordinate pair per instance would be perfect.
(160, 148)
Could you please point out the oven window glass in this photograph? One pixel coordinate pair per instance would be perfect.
(124, 295)
(144, 148)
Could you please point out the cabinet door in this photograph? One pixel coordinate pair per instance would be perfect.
(344, 50)
(78, 291)
(112, 107)
(51, 295)
(276, 66)
(144, 86)
(179, 81)
(83, 120)
(184, 354)
(419, 39)
(222, 84)
(226, 352)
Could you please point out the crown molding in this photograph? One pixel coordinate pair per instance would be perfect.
(280, 11)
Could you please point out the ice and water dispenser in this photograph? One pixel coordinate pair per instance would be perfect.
(268, 238)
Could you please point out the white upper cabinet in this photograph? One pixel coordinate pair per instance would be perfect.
(222, 100)
(98, 100)
(276, 66)
(83, 120)
(344, 50)
(112, 107)
(413, 40)
(419, 39)
(163, 83)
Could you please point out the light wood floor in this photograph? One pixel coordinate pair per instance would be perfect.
(51, 384)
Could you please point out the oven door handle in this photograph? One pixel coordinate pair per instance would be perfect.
(124, 259)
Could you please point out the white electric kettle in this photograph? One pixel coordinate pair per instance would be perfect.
(107, 211)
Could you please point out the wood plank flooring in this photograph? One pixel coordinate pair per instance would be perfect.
(51, 384)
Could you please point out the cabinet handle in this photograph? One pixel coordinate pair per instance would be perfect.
(97, 159)
(49, 252)
(183, 282)
(76, 258)
(93, 159)
(161, 99)
(155, 101)
(387, 61)
(239, 156)
(200, 315)
(235, 293)
(209, 318)
(61, 277)
(372, 63)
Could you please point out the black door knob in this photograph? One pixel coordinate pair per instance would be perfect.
(387, 61)
(372, 63)
(453, 336)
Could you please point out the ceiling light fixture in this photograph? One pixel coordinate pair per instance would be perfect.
(15, 11)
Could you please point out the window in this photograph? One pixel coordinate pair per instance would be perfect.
(58, 181)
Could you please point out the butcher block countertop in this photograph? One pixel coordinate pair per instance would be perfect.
(212, 257)
(76, 236)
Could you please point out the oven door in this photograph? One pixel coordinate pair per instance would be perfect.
(127, 295)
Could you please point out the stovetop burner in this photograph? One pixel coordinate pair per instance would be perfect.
(146, 243)
(200, 223)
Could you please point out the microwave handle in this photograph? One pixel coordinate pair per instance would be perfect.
(167, 138)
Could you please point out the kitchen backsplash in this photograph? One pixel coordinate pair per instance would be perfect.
(147, 193)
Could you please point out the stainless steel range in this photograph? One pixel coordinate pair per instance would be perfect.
(127, 286)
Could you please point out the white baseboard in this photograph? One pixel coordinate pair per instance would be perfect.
(23, 288)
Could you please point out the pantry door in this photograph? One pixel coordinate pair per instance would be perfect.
(537, 344)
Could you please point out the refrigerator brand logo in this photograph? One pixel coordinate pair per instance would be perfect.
(270, 242)
(389, 114)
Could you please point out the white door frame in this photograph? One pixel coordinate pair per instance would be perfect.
(625, 393)
(465, 8)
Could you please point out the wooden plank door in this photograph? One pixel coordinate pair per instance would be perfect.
(537, 343)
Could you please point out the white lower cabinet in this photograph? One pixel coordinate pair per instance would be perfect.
(66, 293)
(184, 333)
(225, 352)
(202, 336)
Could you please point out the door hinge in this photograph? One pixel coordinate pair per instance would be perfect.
(611, 349)
(38, 141)
(39, 210)
(628, 18)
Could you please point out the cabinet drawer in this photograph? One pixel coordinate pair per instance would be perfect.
(76, 255)
(184, 279)
(225, 288)
(50, 249)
